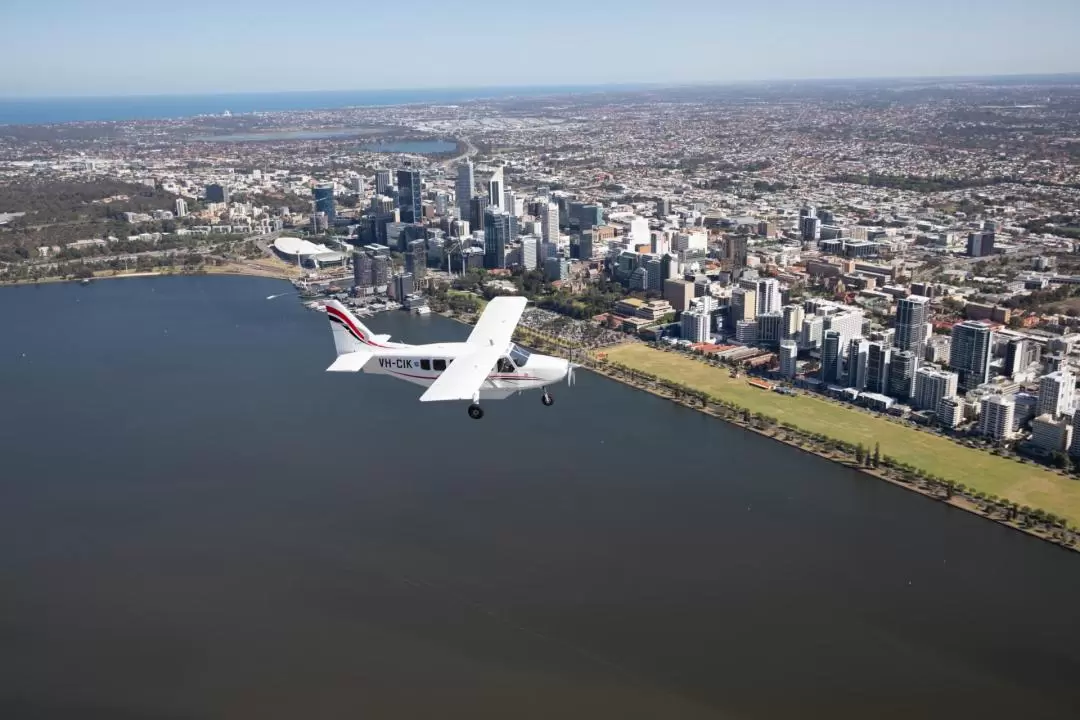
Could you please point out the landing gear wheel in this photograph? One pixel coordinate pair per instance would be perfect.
(547, 399)
(476, 412)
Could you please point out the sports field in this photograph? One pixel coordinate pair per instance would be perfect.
(1023, 483)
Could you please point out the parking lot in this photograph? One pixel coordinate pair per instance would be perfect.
(575, 332)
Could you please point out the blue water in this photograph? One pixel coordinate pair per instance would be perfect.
(420, 147)
(97, 109)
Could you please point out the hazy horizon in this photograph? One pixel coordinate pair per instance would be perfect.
(541, 86)
(66, 48)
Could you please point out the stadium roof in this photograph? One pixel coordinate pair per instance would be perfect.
(296, 246)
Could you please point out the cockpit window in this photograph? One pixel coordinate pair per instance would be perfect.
(519, 355)
(505, 366)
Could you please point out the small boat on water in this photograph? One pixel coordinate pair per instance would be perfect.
(422, 310)
(86, 281)
(315, 305)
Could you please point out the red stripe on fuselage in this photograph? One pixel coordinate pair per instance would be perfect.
(489, 377)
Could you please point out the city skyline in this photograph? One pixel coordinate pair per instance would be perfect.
(236, 46)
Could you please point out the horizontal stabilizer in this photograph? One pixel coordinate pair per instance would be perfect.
(380, 338)
(351, 362)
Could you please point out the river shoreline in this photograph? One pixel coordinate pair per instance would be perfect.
(956, 500)
(236, 270)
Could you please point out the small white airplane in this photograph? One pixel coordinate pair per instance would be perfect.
(486, 366)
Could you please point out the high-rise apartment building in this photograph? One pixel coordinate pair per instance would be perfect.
(969, 353)
(902, 375)
(831, 357)
(789, 353)
(768, 296)
(932, 384)
(1056, 393)
(996, 417)
(878, 361)
(912, 317)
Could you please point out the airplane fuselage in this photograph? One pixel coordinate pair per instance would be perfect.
(422, 364)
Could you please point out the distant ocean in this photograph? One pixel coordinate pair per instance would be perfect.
(38, 111)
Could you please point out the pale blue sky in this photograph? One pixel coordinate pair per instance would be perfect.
(124, 47)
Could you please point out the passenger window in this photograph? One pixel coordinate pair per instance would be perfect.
(425, 364)
(439, 365)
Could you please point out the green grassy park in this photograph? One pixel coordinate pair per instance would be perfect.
(1022, 483)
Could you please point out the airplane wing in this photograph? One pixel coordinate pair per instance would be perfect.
(351, 362)
(463, 377)
(498, 321)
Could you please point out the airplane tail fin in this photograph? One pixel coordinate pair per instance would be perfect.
(350, 335)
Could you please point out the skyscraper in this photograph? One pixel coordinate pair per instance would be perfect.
(1015, 356)
(858, 349)
(477, 208)
(464, 187)
(743, 305)
(789, 353)
(496, 237)
(416, 260)
(912, 315)
(324, 201)
(1056, 393)
(409, 186)
(382, 182)
(902, 375)
(496, 189)
(768, 296)
(969, 353)
(878, 360)
(550, 222)
(529, 252)
(585, 244)
(181, 208)
(830, 357)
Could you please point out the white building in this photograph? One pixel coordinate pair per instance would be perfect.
(812, 333)
(181, 208)
(692, 240)
(950, 411)
(695, 326)
(849, 324)
(1050, 434)
(529, 252)
(768, 296)
(931, 385)
(1056, 392)
(550, 223)
(996, 416)
(639, 232)
(789, 352)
